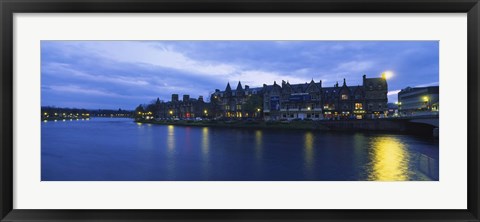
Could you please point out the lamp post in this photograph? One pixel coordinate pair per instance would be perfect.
(426, 100)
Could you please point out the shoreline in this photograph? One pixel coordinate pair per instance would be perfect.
(395, 126)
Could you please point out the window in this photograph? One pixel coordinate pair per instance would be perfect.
(239, 107)
(227, 107)
(358, 106)
(344, 97)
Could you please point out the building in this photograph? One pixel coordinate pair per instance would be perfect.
(187, 108)
(418, 101)
(238, 103)
(303, 101)
(314, 101)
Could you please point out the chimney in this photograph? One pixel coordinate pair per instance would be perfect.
(174, 97)
(186, 98)
(247, 87)
(200, 98)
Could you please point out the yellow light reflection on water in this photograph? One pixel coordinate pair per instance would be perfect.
(390, 160)
(205, 151)
(171, 138)
(308, 146)
(258, 144)
(205, 142)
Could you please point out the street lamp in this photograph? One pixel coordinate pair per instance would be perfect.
(426, 99)
(387, 74)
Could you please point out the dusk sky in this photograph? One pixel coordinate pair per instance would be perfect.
(124, 74)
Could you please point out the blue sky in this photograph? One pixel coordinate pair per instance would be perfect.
(124, 74)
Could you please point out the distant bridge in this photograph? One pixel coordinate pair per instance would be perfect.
(431, 120)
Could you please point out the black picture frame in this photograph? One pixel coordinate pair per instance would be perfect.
(9, 7)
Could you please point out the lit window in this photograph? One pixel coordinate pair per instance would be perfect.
(239, 107)
(344, 97)
(358, 106)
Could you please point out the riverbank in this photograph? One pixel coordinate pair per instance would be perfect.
(305, 125)
(400, 126)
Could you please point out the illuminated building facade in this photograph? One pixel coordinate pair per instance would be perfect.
(237, 103)
(418, 100)
(313, 101)
(186, 109)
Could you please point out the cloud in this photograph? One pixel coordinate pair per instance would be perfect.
(80, 90)
(428, 84)
(137, 52)
(393, 92)
(65, 70)
(355, 66)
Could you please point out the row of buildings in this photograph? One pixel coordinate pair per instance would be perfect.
(284, 101)
(287, 101)
(305, 101)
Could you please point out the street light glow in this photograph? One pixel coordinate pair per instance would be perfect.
(387, 74)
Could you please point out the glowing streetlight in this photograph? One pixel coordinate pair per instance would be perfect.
(387, 74)
(205, 111)
(258, 110)
(171, 112)
(308, 108)
(425, 98)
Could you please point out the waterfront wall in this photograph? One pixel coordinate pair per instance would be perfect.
(386, 125)
(379, 125)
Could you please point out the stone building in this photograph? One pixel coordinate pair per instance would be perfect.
(188, 108)
(313, 101)
(237, 103)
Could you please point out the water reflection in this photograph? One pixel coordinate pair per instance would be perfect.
(205, 142)
(205, 152)
(258, 144)
(171, 139)
(309, 152)
(111, 149)
(389, 158)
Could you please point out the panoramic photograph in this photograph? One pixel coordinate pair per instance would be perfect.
(239, 110)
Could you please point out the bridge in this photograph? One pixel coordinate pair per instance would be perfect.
(424, 125)
(428, 120)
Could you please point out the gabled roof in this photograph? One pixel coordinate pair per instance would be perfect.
(228, 89)
(239, 87)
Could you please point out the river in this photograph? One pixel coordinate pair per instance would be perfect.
(116, 149)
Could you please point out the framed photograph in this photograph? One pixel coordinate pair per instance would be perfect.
(239, 110)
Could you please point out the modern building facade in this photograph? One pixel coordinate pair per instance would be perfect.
(418, 100)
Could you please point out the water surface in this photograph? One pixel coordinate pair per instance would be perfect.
(114, 149)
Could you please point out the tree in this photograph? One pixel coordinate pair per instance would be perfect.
(253, 104)
(139, 111)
